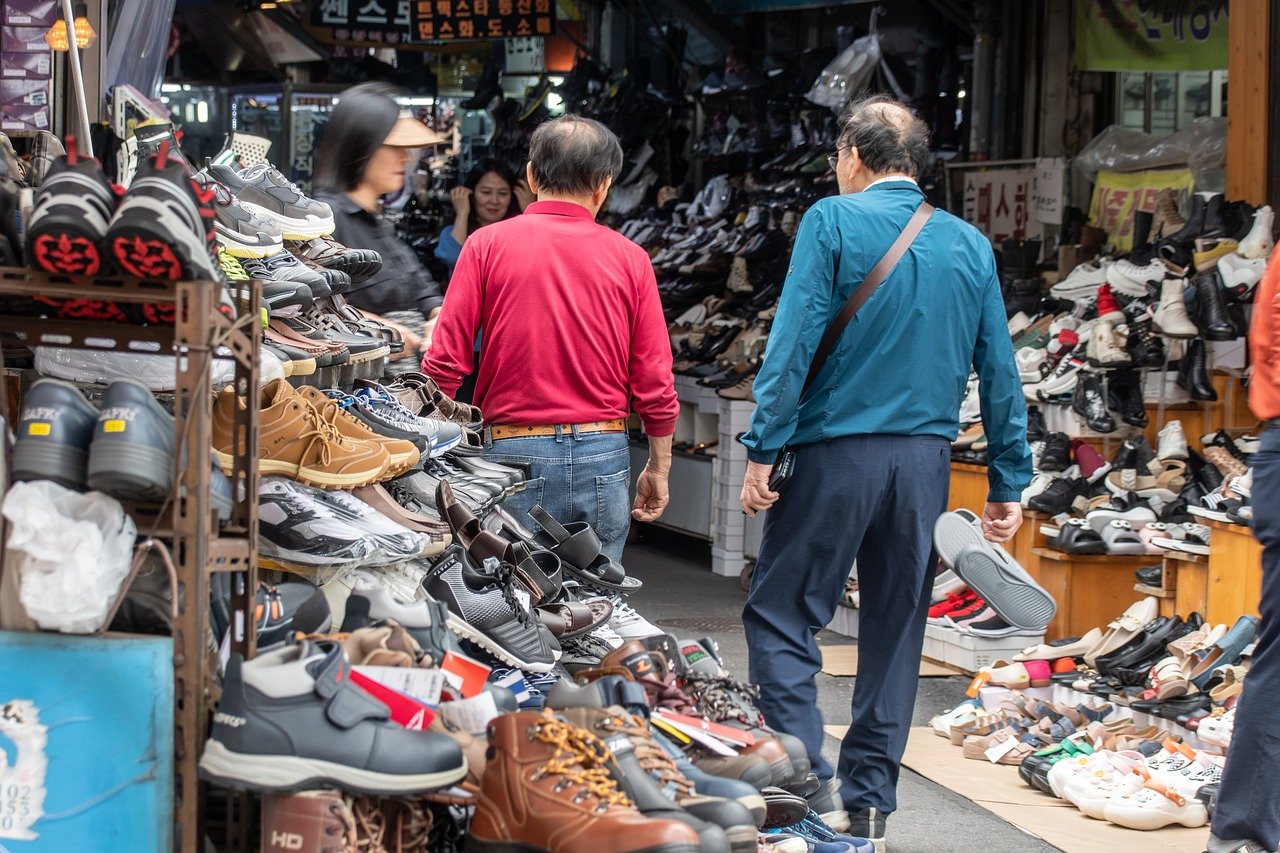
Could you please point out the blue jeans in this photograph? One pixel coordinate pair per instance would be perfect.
(1249, 798)
(575, 477)
(874, 498)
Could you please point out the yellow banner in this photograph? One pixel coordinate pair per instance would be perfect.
(1118, 196)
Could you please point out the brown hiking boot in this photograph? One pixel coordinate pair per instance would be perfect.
(402, 456)
(537, 794)
(314, 820)
(296, 441)
(663, 691)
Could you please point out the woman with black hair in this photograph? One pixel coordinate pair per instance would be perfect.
(364, 152)
(488, 195)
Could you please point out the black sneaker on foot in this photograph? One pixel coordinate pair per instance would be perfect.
(868, 824)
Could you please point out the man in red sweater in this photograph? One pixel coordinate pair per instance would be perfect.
(572, 333)
(1247, 817)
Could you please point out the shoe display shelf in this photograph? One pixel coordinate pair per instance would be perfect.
(1184, 580)
(1233, 581)
(197, 546)
(1086, 587)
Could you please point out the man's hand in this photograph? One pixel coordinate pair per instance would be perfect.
(461, 198)
(428, 331)
(1001, 520)
(756, 496)
(651, 495)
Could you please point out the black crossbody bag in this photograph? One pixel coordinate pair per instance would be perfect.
(786, 463)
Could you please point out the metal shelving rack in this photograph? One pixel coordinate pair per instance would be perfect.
(198, 547)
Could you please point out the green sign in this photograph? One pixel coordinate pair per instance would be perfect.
(1151, 35)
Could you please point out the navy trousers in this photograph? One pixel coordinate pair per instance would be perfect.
(1249, 799)
(873, 498)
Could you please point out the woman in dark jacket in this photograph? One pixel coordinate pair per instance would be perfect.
(364, 151)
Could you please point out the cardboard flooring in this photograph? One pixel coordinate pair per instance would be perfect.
(842, 661)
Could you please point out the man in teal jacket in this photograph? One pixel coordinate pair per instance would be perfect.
(873, 442)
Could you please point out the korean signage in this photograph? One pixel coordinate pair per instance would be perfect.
(1116, 197)
(1151, 35)
(1049, 189)
(366, 21)
(454, 20)
(999, 201)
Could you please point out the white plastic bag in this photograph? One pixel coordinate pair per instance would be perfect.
(72, 552)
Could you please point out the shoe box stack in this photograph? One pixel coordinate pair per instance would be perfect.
(1129, 723)
(1143, 501)
(485, 666)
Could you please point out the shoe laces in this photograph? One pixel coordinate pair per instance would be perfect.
(318, 433)
(502, 576)
(232, 267)
(652, 758)
(580, 760)
(722, 697)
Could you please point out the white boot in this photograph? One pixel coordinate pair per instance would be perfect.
(1259, 242)
(1172, 442)
(1171, 316)
(1106, 346)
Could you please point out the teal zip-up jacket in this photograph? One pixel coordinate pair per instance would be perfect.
(903, 362)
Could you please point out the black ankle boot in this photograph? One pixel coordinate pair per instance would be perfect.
(1090, 404)
(1126, 386)
(1210, 307)
(1193, 372)
(1169, 246)
(1145, 345)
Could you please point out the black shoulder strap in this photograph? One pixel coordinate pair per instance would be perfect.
(873, 280)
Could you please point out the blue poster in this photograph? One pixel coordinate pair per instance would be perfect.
(86, 743)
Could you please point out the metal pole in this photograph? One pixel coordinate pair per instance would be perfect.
(85, 143)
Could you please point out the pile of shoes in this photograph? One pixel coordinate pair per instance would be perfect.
(1145, 500)
(980, 589)
(1137, 722)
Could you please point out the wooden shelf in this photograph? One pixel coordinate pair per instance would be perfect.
(1153, 591)
(1102, 559)
(1089, 590)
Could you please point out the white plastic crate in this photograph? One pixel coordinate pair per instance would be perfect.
(971, 653)
(845, 622)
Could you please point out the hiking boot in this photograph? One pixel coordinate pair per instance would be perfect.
(269, 194)
(311, 820)
(164, 227)
(402, 455)
(636, 756)
(296, 440)
(484, 609)
(131, 457)
(545, 788)
(55, 428)
(291, 719)
(69, 220)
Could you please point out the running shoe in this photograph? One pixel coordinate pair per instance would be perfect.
(240, 232)
(264, 191)
(296, 528)
(69, 220)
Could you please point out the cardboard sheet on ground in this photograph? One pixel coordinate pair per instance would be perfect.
(843, 661)
(998, 789)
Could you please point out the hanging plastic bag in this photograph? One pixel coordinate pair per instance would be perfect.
(847, 76)
(72, 553)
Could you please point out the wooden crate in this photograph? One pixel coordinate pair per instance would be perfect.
(1090, 590)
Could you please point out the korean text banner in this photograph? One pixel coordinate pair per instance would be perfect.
(1151, 35)
(1117, 196)
(454, 20)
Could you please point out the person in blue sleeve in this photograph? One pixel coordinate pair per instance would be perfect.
(487, 195)
(872, 439)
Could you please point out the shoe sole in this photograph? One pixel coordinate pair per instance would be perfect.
(130, 471)
(67, 247)
(464, 629)
(286, 773)
(300, 230)
(480, 845)
(148, 238)
(232, 243)
(61, 463)
(302, 474)
(1003, 584)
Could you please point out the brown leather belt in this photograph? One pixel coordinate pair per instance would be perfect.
(501, 431)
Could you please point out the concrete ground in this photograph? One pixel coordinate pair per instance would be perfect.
(681, 592)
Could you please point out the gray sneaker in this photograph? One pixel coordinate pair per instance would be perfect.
(291, 720)
(266, 192)
(55, 428)
(241, 232)
(131, 457)
(484, 608)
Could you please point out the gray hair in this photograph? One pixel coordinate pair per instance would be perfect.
(888, 136)
(572, 155)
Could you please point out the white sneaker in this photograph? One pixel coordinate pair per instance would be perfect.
(1029, 361)
(1259, 242)
(1240, 275)
(1172, 442)
(1018, 323)
(1128, 278)
(971, 407)
(626, 623)
(1083, 282)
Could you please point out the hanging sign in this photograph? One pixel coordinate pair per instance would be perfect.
(1117, 196)
(1050, 186)
(362, 21)
(1151, 35)
(998, 201)
(457, 20)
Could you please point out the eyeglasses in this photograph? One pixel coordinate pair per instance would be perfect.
(833, 159)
